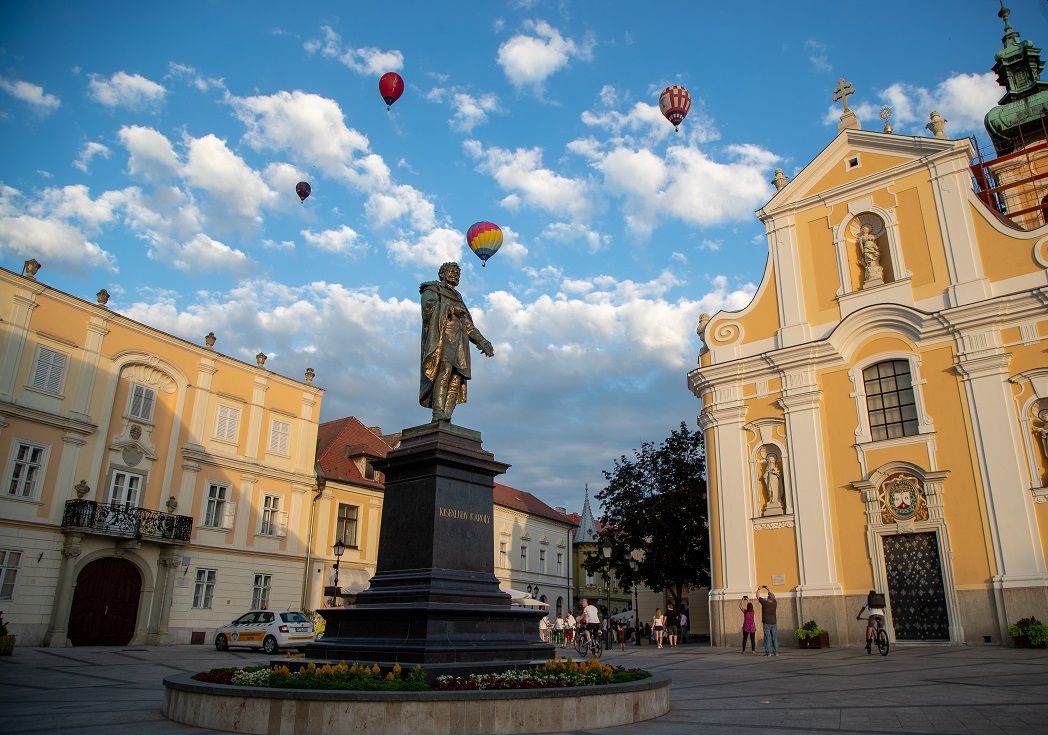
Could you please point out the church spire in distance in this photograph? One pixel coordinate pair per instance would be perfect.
(587, 532)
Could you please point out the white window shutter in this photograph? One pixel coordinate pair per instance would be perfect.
(282, 526)
(58, 366)
(229, 515)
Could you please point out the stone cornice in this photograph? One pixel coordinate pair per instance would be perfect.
(250, 467)
(46, 418)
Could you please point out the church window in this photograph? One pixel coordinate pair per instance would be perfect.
(142, 400)
(890, 400)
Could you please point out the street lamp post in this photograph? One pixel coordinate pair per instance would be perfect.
(634, 564)
(606, 550)
(338, 549)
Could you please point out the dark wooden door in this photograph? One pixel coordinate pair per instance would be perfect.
(915, 590)
(105, 603)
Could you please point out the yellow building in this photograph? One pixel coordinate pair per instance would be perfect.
(876, 417)
(153, 488)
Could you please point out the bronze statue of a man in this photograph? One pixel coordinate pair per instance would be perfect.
(447, 330)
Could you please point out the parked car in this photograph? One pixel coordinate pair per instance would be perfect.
(267, 630)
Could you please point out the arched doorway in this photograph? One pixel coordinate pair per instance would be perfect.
(105, 603)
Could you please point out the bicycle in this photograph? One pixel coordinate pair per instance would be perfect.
(587, 644)
(880, 636)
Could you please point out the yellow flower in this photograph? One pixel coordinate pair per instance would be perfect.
(389, 676)
(375, 669)
(396, 669)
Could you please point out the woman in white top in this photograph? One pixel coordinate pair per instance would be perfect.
(658, 625)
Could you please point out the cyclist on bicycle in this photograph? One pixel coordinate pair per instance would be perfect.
(875, 604)
(591, 618)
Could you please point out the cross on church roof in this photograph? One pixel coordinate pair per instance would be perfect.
(842, 91)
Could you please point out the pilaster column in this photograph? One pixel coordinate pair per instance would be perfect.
(201, 395)
(1009, 505)
(815, 547)
(13, 338)
(58, 627)
(254, 426)
(789, 284)
(245, 498)
(951, 187)
(169, 561)
(96, 331)
(734, 531)
(64, 479)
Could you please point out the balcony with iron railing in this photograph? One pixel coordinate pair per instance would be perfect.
(122, 521)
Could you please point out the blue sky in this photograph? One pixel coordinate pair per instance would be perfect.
(154, 152)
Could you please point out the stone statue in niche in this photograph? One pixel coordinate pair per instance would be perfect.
(1042, 433)
(871, 256)
(771, 477)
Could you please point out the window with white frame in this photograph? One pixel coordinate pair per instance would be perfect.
(270, 515)
(542, 560)
(27, 470)
(215, 507)
(890, 401)
(204, 588)
(143, 398)
(260, 592)
(503, 554)
(560, 563)
(227, 424)
(279, 436)
(346, 524)
(523, 558)
(49, 370)
(8, 571)
(124, 489)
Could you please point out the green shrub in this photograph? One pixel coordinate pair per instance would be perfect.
(1033, 629)
(808, 630)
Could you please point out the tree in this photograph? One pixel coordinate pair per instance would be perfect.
(656, 503)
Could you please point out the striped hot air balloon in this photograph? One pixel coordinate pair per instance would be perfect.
(675, 103)
(484, 239)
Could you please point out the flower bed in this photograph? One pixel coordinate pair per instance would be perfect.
(552, 675)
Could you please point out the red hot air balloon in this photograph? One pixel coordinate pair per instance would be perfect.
(303, 190)
(675, 103)
(390, 86)
(484, 239)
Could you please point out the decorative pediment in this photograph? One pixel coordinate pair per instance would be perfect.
(151, 376)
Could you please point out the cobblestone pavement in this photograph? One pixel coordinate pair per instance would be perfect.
(916, 689)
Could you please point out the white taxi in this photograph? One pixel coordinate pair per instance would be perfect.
(268, 630)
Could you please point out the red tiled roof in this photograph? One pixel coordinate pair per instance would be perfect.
(333, 438)
(511, 497)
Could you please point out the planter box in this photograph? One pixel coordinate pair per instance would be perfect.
(1021, 641)
(819, 641)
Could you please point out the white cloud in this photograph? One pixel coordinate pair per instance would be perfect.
(32, 94)
(132, 91)
(195, 79)
(89, 151)
(385, 207)
(513, 250)
(963, 99)
(238, 194)
(151, 155)
(368, 61)
(74, 203)
(470, 111)
(574, 235)
(687, 184)
(521, 173)
(205, 253)
(46, 238)
(431, 249)
(818, 55)
(679, 257)
(528, 59)
(309, 126)
(711, 245)
(343, 240)
(642, 124)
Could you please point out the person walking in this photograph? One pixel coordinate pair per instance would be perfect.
(569, 629)
(771, 630)
(749, 624)
(672, 624)
(558, 631)
(658, 625)
(684, 625)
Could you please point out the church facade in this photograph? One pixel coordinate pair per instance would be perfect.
(877, 417)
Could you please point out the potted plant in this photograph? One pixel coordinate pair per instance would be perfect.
(810, 635)
(1029, 633)
(7, 641)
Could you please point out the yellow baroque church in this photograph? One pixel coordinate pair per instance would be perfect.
(877, 417)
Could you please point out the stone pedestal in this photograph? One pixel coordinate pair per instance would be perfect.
(434, 599)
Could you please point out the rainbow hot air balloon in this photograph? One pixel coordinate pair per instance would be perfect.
(391, 86)
(303, 190)
(675, 103)
(484, 239)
